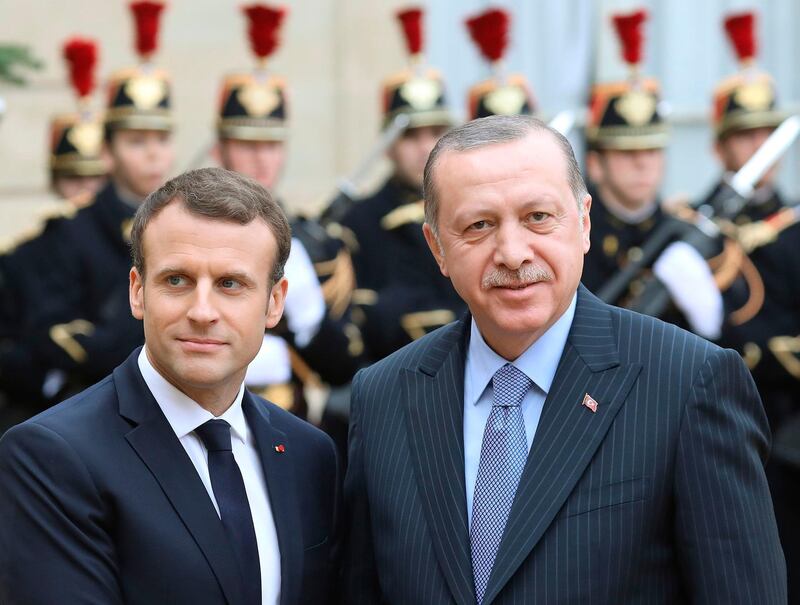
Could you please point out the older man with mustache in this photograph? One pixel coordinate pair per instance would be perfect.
(550, 448)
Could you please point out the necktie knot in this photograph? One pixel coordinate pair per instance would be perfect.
(215, 435)
(509, 385)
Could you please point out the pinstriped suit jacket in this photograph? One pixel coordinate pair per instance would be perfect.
(657, 497)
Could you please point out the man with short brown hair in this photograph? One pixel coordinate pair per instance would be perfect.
(168, 481)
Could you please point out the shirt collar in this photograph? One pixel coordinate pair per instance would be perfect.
(183, 413)
(539, 361)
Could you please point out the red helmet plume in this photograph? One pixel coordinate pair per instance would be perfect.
(263, 28)
(741, 32)
(146, 15)
(411, 22)
(629, 30)
(489, 31)
(81, 57)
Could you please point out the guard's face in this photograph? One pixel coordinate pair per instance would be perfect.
(69, 187)
(738, 147)
(262, 161)
(141, 159)
(205, 299)
(630, 177)
(512, 239)
(410, 152)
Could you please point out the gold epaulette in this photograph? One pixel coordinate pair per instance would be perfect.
(403, 215)
(52, 211)
(756, 235)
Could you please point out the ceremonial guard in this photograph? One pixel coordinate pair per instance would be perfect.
(503, 93)
(400, 290)
(82, 325)
(767, 230)
(316, 339)
(77, 171)
(626, 135)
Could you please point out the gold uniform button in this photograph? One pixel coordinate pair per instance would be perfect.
(635, 254)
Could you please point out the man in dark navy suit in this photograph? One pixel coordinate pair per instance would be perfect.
(168, 482)
(549, 448)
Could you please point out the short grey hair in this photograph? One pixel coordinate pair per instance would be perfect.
(217, 194)
(494, 130)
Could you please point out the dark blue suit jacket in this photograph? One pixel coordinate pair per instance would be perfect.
(99, 503)
(657, 497)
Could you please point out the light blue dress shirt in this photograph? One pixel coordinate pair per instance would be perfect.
(539, 363)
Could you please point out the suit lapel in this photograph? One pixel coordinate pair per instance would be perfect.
(434, 399)
(162, 453)
(282, 496)
(568, 434)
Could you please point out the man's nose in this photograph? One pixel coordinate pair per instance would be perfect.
(202, 309)
(512, 246)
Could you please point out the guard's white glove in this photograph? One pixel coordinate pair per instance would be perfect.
(687, 277)
(305, 305)
(272, 364)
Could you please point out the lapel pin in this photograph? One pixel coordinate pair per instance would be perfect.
(280, 448)
(589, 402)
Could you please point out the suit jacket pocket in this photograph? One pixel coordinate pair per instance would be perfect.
(605, 496)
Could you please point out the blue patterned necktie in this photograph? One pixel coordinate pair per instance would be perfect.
(503, 454)
(234, 508)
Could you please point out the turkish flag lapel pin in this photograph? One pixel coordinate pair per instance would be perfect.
(589, 403)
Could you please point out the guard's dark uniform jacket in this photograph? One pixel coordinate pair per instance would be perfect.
(614, 243)
(769, 340)
(25, 265)
(770, 345)
(65, 297)
(84, 324)
(750, 213)
(400, 289)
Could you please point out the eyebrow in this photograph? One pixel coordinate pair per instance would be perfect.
(484, 210)
(169, 271)
(239, 275)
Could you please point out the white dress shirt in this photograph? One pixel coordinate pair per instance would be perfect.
(184, 416)
(538, 362)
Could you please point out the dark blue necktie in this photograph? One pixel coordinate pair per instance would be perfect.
(234, 509)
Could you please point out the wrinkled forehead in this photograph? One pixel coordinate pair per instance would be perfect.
(536, 159)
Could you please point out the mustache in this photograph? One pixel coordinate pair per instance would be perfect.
(524, 276)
